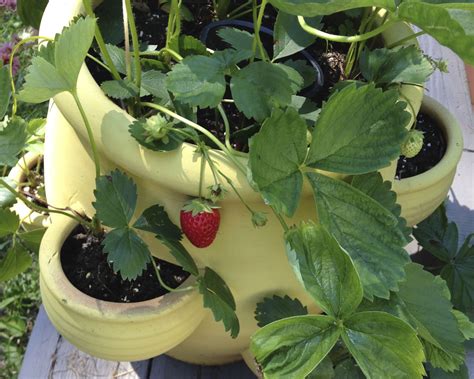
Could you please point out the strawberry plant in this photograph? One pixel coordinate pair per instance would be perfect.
(382, 315)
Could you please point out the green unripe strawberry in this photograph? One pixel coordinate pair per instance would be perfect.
(413, 144)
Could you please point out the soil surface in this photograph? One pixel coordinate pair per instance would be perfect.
(85, 265)
(434, 148)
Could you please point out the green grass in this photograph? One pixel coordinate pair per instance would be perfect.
(19, 304)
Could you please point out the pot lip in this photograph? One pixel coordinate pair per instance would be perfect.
(17, 173)
(52, 276)
(453, 134)
(182, 166)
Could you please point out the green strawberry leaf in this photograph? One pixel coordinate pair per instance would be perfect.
(154, 82)
(198, 81)
(324, 269)
(219, 299)
(306, 71)
(156, 220)
(431, 316)
(366, 230)
(438, 236)
(466, 327)
(374, 186)
(239, 40)
(310, 8)
(9, 222)
(119, 89)
(459, 275)
(7, 199)
(359, 130)
(230, 57)
(5, 90)
(449, 22)
(404, 64)
(32, 239)
(289, 38)
(461, 373)
(277, 152)
(42, 82)
(381, 343)
(261, 86)
(127, 252)
(48, 77)
(275, 308)
(306, 108)
(347, 369)
(187, 45)
(71, 48)
(15, 262)
(116, 199)
(13, 139)
(324, 370)
(295, 346)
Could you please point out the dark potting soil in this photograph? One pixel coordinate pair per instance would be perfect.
(85, 265)
(152, 23)
(434, 148)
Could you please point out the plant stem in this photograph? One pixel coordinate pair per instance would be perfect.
(101, 43)
(343, 39)
(162, 283)
(99, 62)
(199, 128)
(220, 108)
(173, 53)
(136, 44)
(128, 58)
(41, 209)
(406, 39)
(203, 167)
(90, 135)
(240, 7)
(231, 184)
(280, 219)
(12, 55)
(256, 39)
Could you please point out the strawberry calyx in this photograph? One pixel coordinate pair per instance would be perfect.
(198, 205)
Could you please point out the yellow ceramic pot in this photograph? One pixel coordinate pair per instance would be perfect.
(30, 219)
(420, 195)
(114, 331)
(252, 262)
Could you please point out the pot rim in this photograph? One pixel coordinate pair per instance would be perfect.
(17, 174)
(178, 170)
(53, 277)
(453, 134)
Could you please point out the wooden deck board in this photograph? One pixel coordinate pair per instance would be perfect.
(49, 356)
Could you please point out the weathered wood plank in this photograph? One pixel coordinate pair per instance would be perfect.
(237, 370)
(41, 348)
(70, 363)
(452, 91)
(164, 367)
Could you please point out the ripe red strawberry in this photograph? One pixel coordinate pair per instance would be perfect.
(200, 222)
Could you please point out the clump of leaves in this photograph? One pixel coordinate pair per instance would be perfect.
(441, 238)
(116, 200)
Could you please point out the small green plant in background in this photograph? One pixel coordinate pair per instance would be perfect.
(20, 297)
